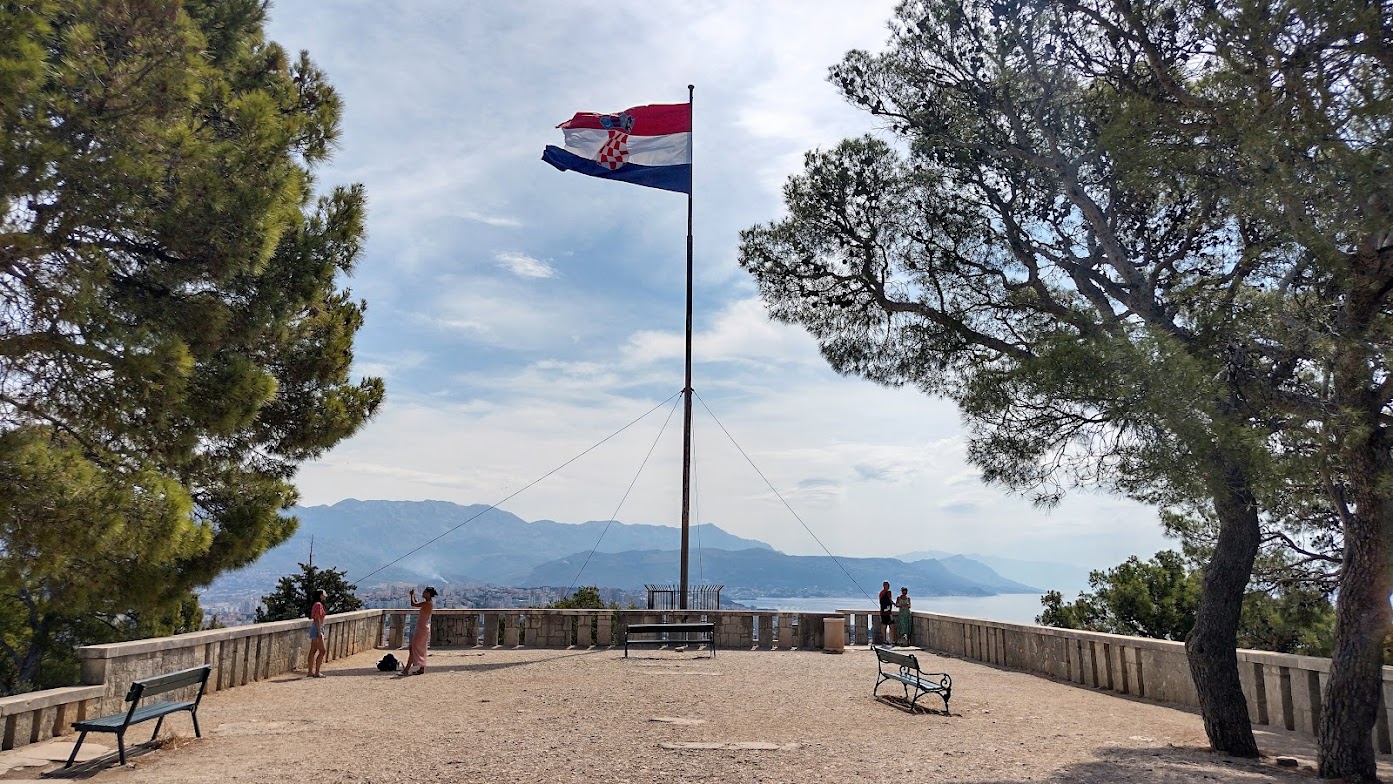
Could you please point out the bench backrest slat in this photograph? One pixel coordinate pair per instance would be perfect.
(899, 659)
(670, 627)
(159, 684)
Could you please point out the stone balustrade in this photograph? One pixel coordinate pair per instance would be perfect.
(1283, 690)
(239, 655)
(735, 629)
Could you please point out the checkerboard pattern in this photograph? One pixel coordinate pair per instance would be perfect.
(613, 153)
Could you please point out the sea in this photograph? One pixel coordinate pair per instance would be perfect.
(1007, 607)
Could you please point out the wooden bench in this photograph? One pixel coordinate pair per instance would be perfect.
(141, 710)
(691, 633)
(905, 671)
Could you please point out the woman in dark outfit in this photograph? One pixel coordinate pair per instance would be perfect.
(887, 615)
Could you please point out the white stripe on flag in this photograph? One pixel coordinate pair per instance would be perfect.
(673, 149)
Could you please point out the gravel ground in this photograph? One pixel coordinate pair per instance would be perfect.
(529, 715)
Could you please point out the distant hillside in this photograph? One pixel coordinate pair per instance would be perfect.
(496, 547)
(771, 573)
(1048, 575)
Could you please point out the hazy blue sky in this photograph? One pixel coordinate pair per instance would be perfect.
(520, 314)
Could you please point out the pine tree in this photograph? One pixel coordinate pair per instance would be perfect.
(174, 341)
(1144, 247)
(294, 594)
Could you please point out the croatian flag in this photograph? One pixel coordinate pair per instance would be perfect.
(646, 145)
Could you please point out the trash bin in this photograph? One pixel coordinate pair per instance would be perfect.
(834, 634)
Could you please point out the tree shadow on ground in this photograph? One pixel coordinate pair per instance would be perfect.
(434, 664)
(1165, 765)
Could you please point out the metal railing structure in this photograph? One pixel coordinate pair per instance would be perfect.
(699, 597)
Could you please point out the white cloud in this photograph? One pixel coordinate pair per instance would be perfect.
(741, 332)
(495, 380)
(524, 266)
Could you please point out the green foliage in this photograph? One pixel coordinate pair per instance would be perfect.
(586, 597)
(1158, 598)
(294, 595)
(1154, 598)
(1142, 246)
(1299, 619)
(174, 340)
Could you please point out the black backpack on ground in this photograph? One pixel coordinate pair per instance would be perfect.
(389, 663)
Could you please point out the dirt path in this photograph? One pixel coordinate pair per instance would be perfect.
(578, 716)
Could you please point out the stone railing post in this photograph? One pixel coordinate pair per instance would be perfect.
(490, 633)
(786, 638)
(604, 630)
(396, 637)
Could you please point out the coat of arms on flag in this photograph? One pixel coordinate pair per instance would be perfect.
(646, 145)
(614, 151)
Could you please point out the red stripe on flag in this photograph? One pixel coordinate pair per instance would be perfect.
(656, 119)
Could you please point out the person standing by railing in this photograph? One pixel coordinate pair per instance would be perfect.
(318, 651)
(904, 622)
(420, 637)
(887, 620)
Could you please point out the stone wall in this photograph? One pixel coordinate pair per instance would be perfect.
(735, 629)
(238, 655)
(1283, 690)
(40, 715)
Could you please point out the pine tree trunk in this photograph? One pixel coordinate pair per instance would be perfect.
(31, 663)
(1349, 708)
(1213, 642)
(1350, 704)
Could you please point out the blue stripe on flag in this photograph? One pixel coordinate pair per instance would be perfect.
(668, 178)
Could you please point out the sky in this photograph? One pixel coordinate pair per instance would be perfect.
(521, 315)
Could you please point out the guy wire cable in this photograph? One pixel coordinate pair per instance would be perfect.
(495, 505)
(630, 489)
(781, 498)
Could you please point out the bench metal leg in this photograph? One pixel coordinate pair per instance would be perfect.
(76, 746)
(194, 715)
(121, 745)
(156, 733)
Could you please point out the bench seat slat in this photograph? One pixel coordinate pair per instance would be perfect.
(116, 721)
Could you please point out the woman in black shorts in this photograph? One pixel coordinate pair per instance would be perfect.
(887, 615)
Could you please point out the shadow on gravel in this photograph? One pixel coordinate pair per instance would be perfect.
(437, 663)
(909, 707)
(1168, 765)
(112, 761)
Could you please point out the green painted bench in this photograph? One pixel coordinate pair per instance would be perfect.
(904, 670)
(143, 710)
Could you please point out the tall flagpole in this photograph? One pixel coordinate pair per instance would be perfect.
(687, 390)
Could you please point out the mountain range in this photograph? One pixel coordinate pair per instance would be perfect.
(371, 541)
(1050, 575)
